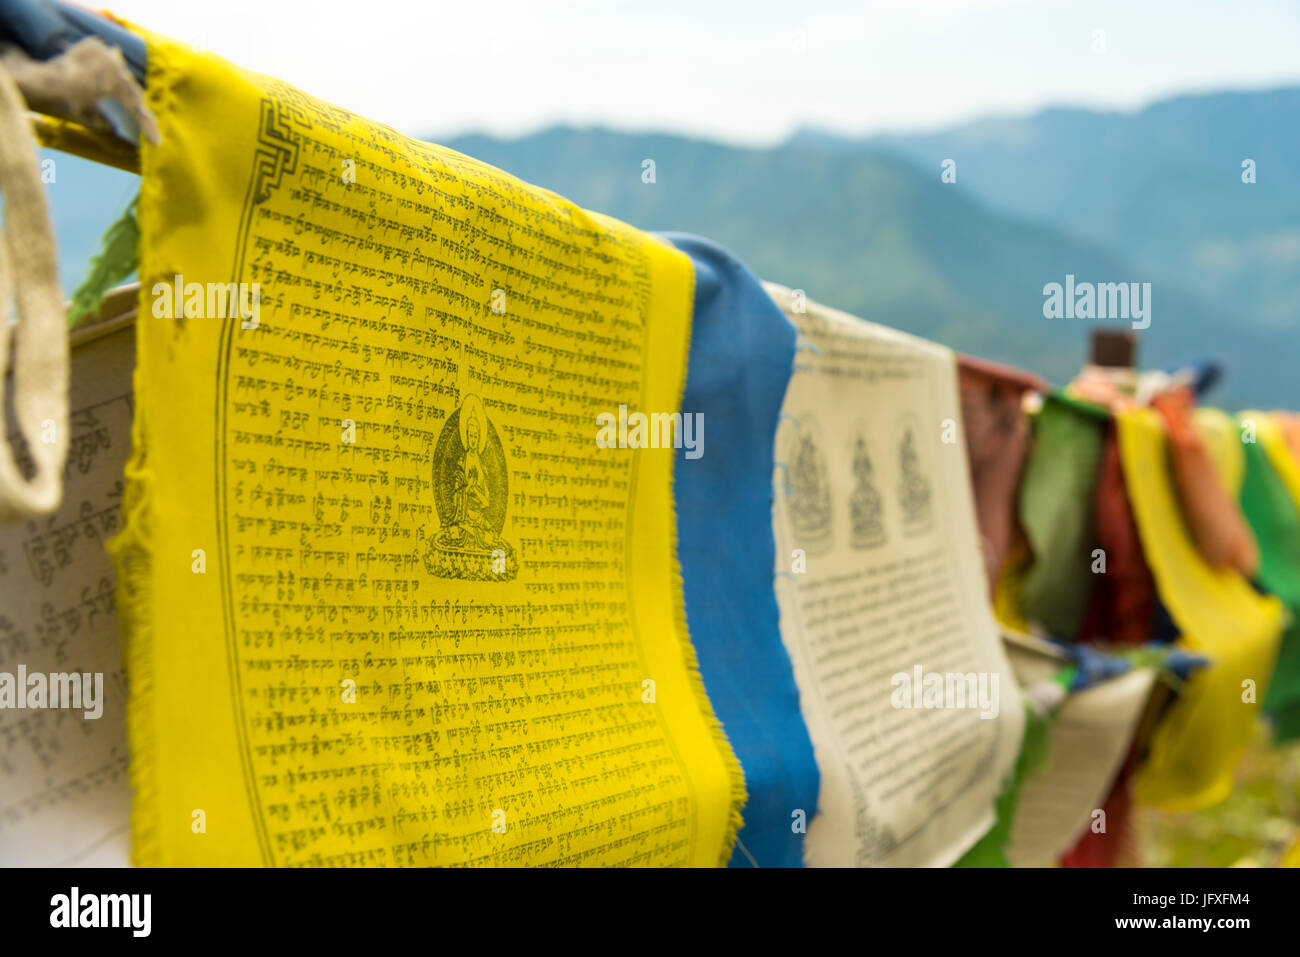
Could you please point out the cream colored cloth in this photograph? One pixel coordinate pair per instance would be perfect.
(64, 796)
(75, 85)
(1088, 742)
(29, 274)
(882, 592)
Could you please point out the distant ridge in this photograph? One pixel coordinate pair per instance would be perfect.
(869, 228)
(867, 225)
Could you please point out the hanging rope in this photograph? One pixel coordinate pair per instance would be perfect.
(29, 278)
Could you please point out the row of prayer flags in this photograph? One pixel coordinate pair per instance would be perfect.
(385, 601)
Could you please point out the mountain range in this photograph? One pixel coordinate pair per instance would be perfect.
(870, 226)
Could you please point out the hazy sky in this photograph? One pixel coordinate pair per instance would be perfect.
(746, 71)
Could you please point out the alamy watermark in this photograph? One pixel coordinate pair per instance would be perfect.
(59, 690)
(1105, 300)
(75, 909)
(939, 690)
(658, 430)
(214, 300)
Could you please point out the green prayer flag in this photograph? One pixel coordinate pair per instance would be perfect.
(1056, 512)
(1273, 518)
(115, 261)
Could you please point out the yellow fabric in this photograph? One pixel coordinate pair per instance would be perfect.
(1006, 593)
(68, 137)
(1292, 856)
(536, 705)
(1279, 454)
(1195, 749)
(1219, 432)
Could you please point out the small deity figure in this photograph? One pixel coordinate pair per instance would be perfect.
(866, 507)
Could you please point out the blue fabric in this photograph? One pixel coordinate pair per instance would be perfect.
(45, 28)
(1093, 667)
(741, 357)
(1182, 664)
(1205, 374)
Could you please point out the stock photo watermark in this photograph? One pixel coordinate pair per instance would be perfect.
(128, 911)
(59, 691)
(1107, 300)
(935, 690)
(214, 300)
(656, 430)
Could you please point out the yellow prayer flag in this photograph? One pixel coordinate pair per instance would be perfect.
(387, 601)
(1218, 431)
(1195, 749)
(1275, 447)
(1291, 858)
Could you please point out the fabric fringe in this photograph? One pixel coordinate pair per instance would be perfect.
(132, 554)
(735, 773)
(132, 550)
(88, 83)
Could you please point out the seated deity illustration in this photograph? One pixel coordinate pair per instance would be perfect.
(866, 506)
(809, 495)
(914, 490)
(470, 491)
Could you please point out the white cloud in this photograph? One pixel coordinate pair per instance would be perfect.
(745, 71)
